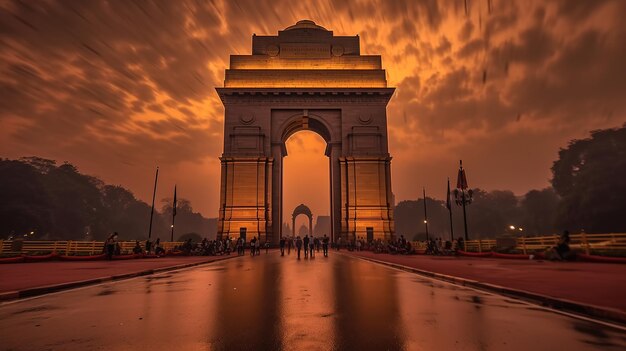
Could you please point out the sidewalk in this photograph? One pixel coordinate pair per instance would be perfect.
(594, 284)
(30, 279)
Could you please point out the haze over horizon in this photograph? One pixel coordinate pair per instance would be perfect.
(117, 88)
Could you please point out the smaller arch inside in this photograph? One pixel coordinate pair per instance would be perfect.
(302, 209)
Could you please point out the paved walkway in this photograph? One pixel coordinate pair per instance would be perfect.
(597, 284)
(20, 276)
(282, 303)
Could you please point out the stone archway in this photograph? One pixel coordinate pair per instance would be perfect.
(305, 78)
(301, 209)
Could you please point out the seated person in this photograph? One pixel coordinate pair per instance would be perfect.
(137, 249)
(562, 250)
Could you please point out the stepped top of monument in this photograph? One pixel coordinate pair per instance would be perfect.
(305, 55)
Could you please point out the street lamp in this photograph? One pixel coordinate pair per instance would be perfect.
(462, 194)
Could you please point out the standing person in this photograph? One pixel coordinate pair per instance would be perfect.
(267, 246)
(282, 246)
(110, 245)
(158, 250)
(306, 246)
(253, 246)
(325, 245)
(298, 245)
(460, 244)
(148, 246)
(311, 247)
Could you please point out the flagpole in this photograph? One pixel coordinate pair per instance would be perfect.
(156, 177)
(173, 215)
(425, 215)
(449, 206)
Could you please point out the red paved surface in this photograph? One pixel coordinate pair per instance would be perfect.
(589, 283)
(20, 276)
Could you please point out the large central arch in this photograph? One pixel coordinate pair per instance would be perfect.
(305, 79)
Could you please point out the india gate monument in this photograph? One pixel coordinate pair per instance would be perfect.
(305, 78)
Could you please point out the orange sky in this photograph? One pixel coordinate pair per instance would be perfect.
(119, 87)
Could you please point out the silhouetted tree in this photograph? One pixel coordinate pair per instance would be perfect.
(589, 177)
(539, 209)
(58, 202)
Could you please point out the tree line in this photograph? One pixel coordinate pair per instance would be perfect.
(42, 200)
(587, 193)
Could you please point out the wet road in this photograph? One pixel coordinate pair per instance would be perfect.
(279, 303)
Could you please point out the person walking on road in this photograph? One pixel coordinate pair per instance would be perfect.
(306, 246)
(298, 245)
(282, 246)
(325, 245)
(311, 247)
(253, 246)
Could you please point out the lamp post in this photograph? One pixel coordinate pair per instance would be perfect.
(425, 214)
(463, 195)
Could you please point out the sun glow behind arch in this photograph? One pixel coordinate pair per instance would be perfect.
(305, 176)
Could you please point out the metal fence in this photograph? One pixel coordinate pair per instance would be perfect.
(70, 247)
(612, 242)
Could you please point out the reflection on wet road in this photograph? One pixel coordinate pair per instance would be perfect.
(280, 303)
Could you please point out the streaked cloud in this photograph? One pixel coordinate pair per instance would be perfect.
(118, 87)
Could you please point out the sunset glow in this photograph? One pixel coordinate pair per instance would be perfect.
(119, 88)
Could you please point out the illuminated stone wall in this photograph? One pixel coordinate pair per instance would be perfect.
(305, 79)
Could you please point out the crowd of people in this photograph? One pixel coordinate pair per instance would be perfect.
(311, 244)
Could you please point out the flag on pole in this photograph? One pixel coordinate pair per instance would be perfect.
(174, 206)
(448, 203)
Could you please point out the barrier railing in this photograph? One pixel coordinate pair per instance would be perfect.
(70, 247)
(585, 242)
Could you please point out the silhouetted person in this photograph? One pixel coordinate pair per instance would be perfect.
(267, 246)
(298, 245)
(282, 246)
(311, 247)
(110, 245)
(148, 246)
(253, 246)
(137, 249)
(460, 244)
(562, 250)
(306, 246)
(158, 250)
(325, 245)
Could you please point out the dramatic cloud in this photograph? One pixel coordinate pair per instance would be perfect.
(118, 87)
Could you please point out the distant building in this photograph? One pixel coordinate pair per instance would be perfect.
(322, 226)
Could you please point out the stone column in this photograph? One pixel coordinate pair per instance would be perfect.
(277, 192)
(333, 152)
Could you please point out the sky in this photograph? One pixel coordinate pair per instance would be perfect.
(118, 87)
